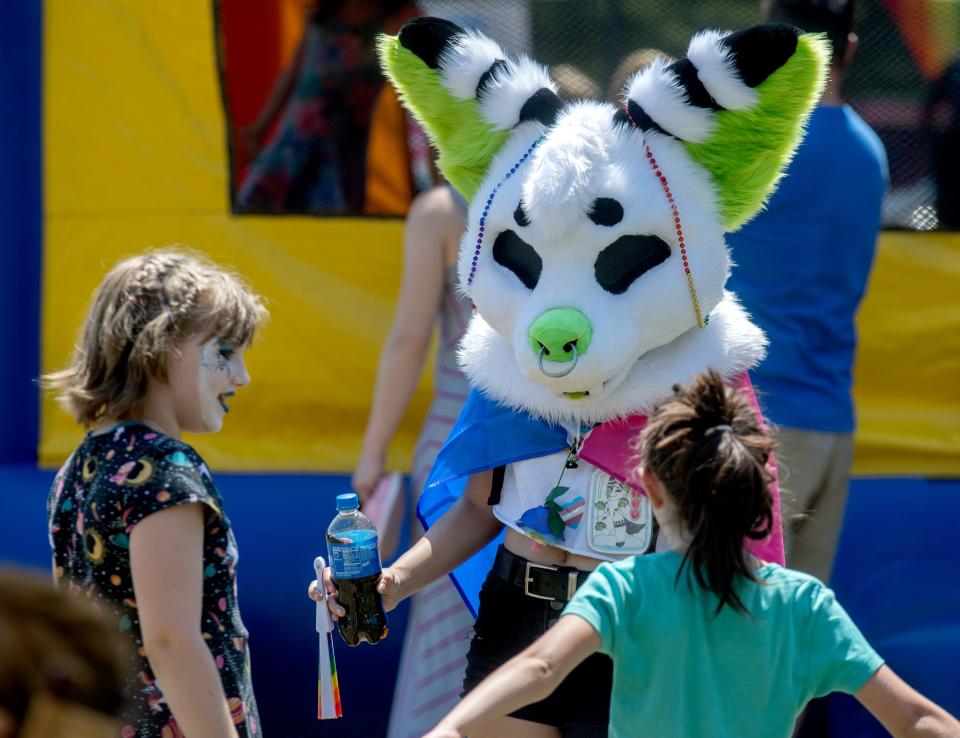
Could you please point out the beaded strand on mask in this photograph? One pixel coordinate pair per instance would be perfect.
(702, 320)
(486, 208)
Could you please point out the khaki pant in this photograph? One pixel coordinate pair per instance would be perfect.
(814, 472)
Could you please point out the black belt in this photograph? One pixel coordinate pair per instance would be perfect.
(542, 581)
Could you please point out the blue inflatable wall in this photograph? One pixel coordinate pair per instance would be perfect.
(21, 198)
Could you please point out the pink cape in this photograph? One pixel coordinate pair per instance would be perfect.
(611, 447)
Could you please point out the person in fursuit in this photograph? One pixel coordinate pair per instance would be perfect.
(596, 260)
(707, 640)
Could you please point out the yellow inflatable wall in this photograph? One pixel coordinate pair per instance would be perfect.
(136, 156)
(907, 376)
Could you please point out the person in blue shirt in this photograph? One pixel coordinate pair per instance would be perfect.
(801, 268)
(707, 641)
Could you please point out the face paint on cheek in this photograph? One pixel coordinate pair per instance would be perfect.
(216, 357)
(233, 365)
(213, 366)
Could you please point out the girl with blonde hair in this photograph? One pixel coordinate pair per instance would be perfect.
(136, 523)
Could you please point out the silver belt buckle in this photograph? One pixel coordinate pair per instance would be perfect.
(527, 579)
(572, 578)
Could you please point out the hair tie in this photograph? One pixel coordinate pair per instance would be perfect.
(131, 298)
(714, 429)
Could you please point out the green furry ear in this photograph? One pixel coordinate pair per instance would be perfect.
(748, 149)
(466, 142)
(466, 94)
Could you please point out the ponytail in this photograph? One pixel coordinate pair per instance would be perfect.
(706, 447)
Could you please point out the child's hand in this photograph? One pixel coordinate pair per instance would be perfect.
(315, 593)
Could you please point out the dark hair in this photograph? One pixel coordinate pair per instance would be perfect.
(832, 17)
(55, 644)
(706, 447)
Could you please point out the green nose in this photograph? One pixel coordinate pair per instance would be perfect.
(559, 331)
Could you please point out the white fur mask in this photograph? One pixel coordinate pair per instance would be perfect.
(594, 251)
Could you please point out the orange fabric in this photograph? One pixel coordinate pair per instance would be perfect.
(389, 189)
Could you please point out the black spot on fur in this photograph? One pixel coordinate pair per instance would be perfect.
(513, 253)
(643, 121)
(626, 259)
(487, 76)
(543, 105)
(760, 51)
(520, 215)
(428, 38)
(696, 93)
(606, 211)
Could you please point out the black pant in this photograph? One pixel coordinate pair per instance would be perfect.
(508, 621)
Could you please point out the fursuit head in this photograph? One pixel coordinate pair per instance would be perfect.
(594, 252)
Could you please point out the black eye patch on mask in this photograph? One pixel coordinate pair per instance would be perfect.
(626, 259)
(606, 211)
(512, 252)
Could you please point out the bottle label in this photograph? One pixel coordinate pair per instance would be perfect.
(354, 554)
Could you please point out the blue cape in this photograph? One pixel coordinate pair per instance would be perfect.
(485, 436)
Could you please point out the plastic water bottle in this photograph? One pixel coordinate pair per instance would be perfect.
(354, 554)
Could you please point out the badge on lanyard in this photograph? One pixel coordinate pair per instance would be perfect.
(620, 517)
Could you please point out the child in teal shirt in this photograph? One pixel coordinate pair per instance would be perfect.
(706, 640)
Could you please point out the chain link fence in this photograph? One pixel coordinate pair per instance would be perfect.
(904, 79)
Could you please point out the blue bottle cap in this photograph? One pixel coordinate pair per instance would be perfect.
(348, 501)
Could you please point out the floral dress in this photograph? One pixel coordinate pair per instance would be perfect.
(108, 485)
(315, 161)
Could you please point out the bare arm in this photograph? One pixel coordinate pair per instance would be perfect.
(276, 99)
(166, 561)
(526, 678)
(434, 221)
(903, 711)
(462, 531)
